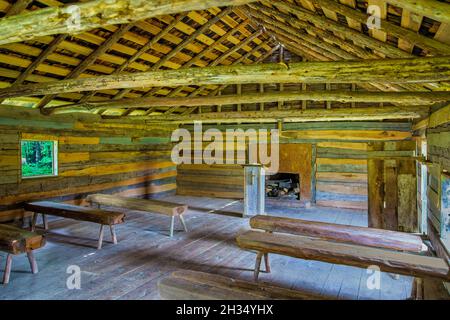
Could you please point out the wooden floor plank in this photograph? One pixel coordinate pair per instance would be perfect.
(145, 254)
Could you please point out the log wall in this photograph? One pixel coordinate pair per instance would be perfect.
(335, 171)
(94, 156)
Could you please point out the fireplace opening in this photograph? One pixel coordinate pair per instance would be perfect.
(283, 186)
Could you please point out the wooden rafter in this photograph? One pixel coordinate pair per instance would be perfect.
(75, 73)
(95, 14)
(433, 9)
(18, 7)
(140, 52)
(433, 46)
(345, 31)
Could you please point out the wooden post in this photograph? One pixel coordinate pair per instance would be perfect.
(375, 172)
(45, 221)
(267, 262)
(32, 261)
(7, 273)
(281, 86)
(257, 266)
(100, 238)
(113, 234)
(172, 224)
(33, 222)
(183, 223)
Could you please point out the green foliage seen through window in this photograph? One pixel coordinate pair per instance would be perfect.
(37, 158)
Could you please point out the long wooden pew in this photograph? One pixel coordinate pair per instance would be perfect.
(371, 237)
(194, 285)
(15, 241)
(342, 253)
(154, 206)
(102, 217)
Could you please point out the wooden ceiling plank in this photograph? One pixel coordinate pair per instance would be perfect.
(75, 73)
(412, 22)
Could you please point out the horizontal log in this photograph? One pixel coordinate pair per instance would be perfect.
(371, 237)
(409, 70)
(298, 115)
(194, 285)
(81, 17)
(346, 254)
(410, 98)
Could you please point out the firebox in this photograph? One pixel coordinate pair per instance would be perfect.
(283, 186)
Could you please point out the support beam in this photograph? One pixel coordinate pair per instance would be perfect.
(95, 14)
(413, 70)
(298, 115)
(407, 98)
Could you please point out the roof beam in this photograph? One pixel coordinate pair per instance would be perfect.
(81, 17)
(384, 71)
(407, 98)
(298, 115)
(331, 25)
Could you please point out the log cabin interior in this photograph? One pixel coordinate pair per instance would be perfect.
(135, 139)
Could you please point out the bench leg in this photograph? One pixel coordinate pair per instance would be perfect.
(33, 221)
(113, 234)
(45, 221)
(100, 238)
(183, 223)
(33, 263)
(172, 224)
(266, 262)
(257, 265)
(417, 289)
(7, 269)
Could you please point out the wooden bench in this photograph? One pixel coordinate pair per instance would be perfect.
(16, 241)
(194, 285)
(104, 218)
(155, 206)
(371, 237)
(341, 253)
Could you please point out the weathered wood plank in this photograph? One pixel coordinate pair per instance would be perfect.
(387, 71)
(192, 285)
(353, 255)
(75, 212)
(372, 237)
